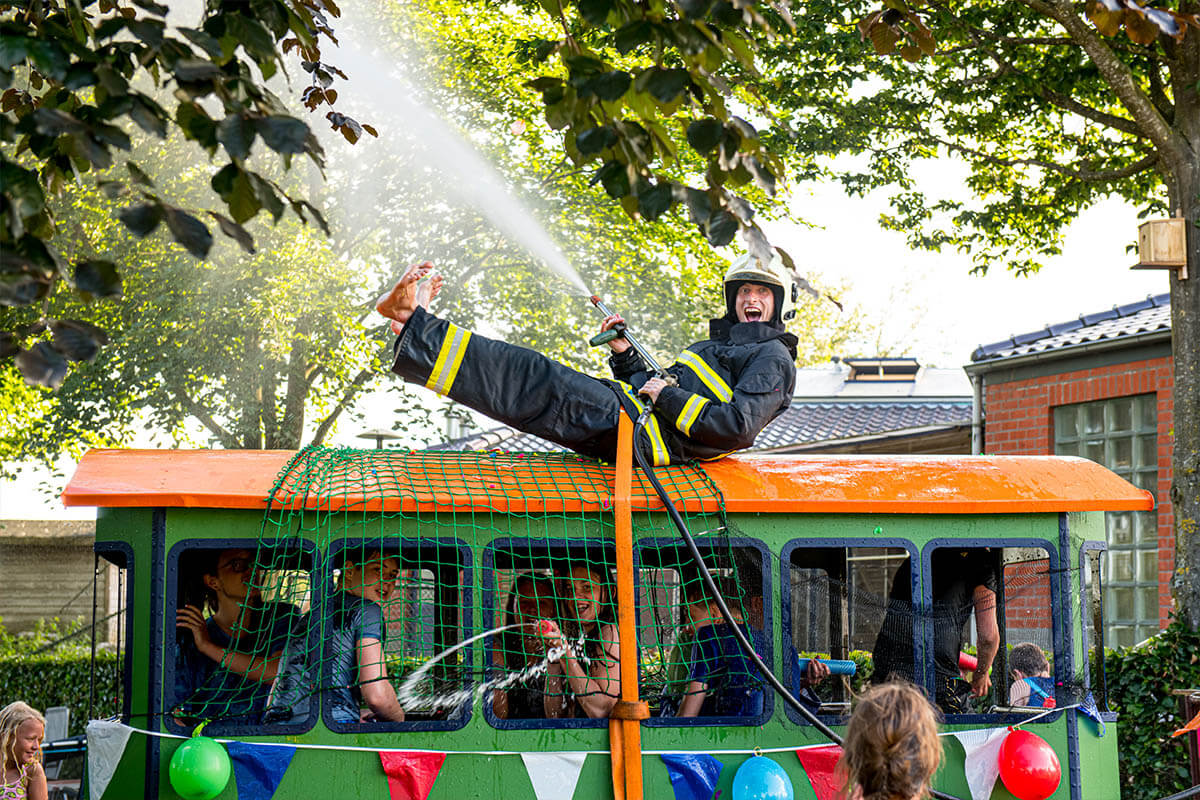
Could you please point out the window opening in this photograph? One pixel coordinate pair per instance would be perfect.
(236, 610)
(691, 664)
(842, 607)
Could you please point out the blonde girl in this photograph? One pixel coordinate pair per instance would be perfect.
(21, 732)
(891, 747)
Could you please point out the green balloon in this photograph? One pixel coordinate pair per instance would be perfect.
(199, 769)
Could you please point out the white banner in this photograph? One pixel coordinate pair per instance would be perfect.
(553, 775)
(983, 759)
(106, 742)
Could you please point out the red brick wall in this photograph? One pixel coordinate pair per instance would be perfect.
(1020, 421)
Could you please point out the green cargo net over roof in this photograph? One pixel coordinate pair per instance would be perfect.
(447, 580)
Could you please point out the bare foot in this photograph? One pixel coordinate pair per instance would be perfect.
(409, 292)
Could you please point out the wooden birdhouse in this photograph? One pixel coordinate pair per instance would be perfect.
(1162, 244)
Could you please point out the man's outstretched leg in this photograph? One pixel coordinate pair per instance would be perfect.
(512, 384)
(410, 293)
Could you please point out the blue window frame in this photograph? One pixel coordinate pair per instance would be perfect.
(426, 614)
(504, 559)
(293, 556)
(841, 586)
(666, 574)
(1000, 670)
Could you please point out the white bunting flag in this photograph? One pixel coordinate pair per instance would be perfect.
(983, 759)
(106, 742)
(553, 775)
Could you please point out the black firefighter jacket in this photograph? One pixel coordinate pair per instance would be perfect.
(729, 387)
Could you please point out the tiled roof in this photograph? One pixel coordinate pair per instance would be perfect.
(810, 422)
(802, 423)
(1144, 316)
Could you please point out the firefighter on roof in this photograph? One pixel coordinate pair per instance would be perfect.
(713, 400)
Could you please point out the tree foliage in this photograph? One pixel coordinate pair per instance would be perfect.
(75, 78)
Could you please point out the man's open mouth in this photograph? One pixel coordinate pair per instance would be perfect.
(753, 314)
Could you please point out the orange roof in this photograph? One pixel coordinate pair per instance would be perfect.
(519, 482)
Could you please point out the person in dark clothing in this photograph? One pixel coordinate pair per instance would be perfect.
(224, 663)
(721, 391)
(722, 680)
(964, 582)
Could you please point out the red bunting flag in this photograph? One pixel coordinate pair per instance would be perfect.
(410, 775)
(819, 764)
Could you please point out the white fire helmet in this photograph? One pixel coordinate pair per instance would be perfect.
(748, 269)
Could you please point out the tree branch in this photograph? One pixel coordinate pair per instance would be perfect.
(351, 391)
(1086, 176)
(224, 436)
(1170, 145)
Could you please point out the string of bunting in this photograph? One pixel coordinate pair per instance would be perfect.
(259, 767)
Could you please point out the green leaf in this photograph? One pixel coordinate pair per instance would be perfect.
(196, 124)
(694, 9)
(283, 134)
(22, 186)
(141, 219)
(242, 201)
(266, 195)
(614, 177)
(595, 11)
(667, 84)
(579, 65)
(189, 232)
(234, 231)
(704, 135)
(610, 86)
(77, 340)
(100, 278)
(655, 201)
(206, 42)
(195, 70)
(593, 140)
(252, 36)
(630, 36)
(721, 229)
(236, 135)
(42, 365)
(149, 116)
(149, 31)
(762, 176)
(699, 206)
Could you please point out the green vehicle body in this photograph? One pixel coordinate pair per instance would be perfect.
(482, 762)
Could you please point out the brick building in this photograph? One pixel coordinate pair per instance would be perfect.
(1099, 387)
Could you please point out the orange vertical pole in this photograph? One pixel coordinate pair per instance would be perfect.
(624, 725)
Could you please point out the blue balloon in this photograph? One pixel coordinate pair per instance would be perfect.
(760, 778)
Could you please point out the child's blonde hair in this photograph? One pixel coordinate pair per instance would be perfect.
(891, 747)
(11, 717)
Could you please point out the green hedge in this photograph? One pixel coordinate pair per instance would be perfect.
(1140, 681)
(50, 667)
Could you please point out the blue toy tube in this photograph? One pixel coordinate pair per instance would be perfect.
(835, 667)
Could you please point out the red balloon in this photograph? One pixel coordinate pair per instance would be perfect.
(1029, 766)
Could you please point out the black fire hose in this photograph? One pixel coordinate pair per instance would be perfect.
(713, 592)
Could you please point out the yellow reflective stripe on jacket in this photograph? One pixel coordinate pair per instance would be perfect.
(449, 359)
(705, 373)
(659, 455)
(691, 411)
